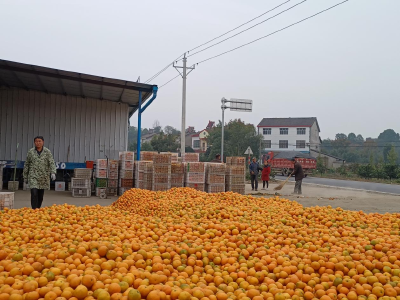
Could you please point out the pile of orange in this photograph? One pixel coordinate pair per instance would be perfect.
(187, 245)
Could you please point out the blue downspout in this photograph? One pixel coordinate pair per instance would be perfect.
(141, 110)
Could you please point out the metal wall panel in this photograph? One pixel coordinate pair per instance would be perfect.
(75, 129)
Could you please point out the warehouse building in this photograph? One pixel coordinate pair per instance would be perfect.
(81, 117)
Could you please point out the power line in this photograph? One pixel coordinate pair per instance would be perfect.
(238, 26)
(169, 81)
(162, 70)
(240, 32)
(263, 37)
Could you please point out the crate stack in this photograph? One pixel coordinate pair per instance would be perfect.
(6, 200)
(177, 175)
(174, 156)
(144, 175)
(190, 157)
(235, 174)
(81, 183)
(101, 176)
(161, 172)
(215, 178)
(112, 184)
(195, 175)
(126, 169)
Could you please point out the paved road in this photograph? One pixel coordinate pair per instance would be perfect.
(368, 186)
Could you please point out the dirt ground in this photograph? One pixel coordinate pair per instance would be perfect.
(368, 202)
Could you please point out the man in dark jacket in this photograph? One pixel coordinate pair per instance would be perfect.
(217, 159)
(254, 168)
(299, 175)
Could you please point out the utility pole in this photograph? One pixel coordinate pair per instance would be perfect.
(184, 76)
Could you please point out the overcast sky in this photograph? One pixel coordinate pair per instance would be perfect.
(342, 67)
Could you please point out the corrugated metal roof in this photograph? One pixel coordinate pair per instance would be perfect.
(30, 77)
(288, 122)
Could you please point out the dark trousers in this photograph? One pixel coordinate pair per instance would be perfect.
(297, 187)
(265, 182)
(36, 198)
(254, 182)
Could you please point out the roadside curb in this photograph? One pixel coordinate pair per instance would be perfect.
(344, 188)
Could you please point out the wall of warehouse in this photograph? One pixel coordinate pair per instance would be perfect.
(75, 129)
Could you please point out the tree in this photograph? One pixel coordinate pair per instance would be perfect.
(189, 149)
(388, 136)
(156, 126)
(359, 139)
(321, 167)
(164, 143)
(352, 137)
(171, 130)
(238, 136)
(340, 136)
(146, 147)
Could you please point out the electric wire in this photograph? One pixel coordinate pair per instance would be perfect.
(169, 81)
(240, 32)
(239, 26)
(265, 36)
(162, 70)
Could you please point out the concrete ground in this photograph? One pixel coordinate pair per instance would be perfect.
(312, 195)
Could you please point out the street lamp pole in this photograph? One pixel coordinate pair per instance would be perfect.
(223, 107)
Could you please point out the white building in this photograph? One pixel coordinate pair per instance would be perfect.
(290, 134)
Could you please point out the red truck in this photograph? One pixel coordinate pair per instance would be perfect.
(281, 162)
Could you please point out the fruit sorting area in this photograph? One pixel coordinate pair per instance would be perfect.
(185, 244)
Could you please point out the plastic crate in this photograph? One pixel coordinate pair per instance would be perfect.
(113, 164)
(144, 185)
(59, 186)
(237, 188)
(144, 166)
(196, 186)
(215, 178)
(112, 192)
(126, 174)
(101, 182)
(177, 179)
(80, 183)
(13, 185)
(235, 170)
(101, 164)
(161, 186)
(215, 188)
(195, 177)
(161, 178)
(234, 179)
(6, 200)
(113, 174)
(216, 168)
(195, 167)
(112, 183)
(99, 191)
(126, 164)
(177, 168)
(101, 173)
(83, 173)
(81, 193)
(125, 183)
(162, 159)
(145, 176)
(174, 156)
(127, 155)
(190, 157)
(161, 169)
(147, 155)
(235, 160)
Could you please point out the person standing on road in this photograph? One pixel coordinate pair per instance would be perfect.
(38, 166)
(265, 174)
(217, 159)
(254, 168)
(299, 175)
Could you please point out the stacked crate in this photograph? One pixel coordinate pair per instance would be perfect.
(177, 175)
(161, 172)
(112, 184)
(195, 175)
(126, 169)
(190, 157)
(235, 174)
(6, 200)
(13, 185)
(147, 155)
(174, 156)
(215, 178)
(144, 175)
(81, 183)
(101, 176)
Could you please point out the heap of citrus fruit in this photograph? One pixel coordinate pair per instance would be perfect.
(188, 245)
